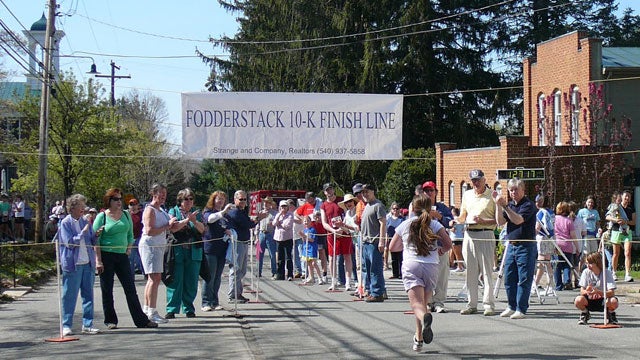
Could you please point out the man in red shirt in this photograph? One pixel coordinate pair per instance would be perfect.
(338, 240)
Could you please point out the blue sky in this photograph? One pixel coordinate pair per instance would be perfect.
(112, 30)
(100, 29)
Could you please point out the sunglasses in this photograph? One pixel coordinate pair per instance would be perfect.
(394, 208)
(242, 199)
(116, 198)
(188, 199)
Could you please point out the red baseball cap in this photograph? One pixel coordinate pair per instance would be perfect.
(430, 185)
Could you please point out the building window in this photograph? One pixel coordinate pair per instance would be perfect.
(463, 187)
(452, 193)
(498, 187)
(575, 116)
(557, 117)
(542, 136)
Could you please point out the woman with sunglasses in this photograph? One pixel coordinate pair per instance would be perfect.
(181, 292)
(115, 232)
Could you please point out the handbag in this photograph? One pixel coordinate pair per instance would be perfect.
(168, 270)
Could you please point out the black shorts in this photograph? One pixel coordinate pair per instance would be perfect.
(19, 220)
(457, 242)
(595, 305)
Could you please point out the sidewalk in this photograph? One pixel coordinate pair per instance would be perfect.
(308, 322)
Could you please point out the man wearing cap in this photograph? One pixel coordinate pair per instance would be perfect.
(52, 227)
(374, 238)
(283, 235)
(357, 192)
(441, 213)
(338, 240)
(520, 258)
(265, 236)
(478, 212)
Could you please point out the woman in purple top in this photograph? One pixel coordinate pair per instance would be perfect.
(567, 242)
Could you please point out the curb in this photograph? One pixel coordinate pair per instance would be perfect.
(17, 292)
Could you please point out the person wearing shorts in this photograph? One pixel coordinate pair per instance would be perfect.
(592, 296)
(338, 238)
(420, 267)
(155, 223)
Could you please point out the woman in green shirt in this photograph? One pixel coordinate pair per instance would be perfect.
(115, 232)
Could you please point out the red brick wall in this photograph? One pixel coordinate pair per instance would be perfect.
(570, 175)
(560, 64)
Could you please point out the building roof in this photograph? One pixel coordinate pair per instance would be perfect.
(11, 91)
(621, 57)
(40, 25)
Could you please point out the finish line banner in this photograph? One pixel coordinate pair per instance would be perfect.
(311, 126)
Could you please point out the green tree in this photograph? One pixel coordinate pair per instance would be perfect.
(385, 47)
(151, 159)
(88, 142)
(416, 167)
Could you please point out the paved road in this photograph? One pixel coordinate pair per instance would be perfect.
(308, 322)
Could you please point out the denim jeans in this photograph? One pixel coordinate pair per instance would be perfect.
(373, 270)
(562, 273)
(134, 259)
(118, 264)
(285, 249)
(238, 270)
(297, 250)
(519, 269)
(354, 271)
(73, 281)
(210, 288)
(267, 242)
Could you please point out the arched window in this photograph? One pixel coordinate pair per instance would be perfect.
(452, 193)
(557, 116)
(542, 135)
(497, 187)
(575, 116)
(463, 187)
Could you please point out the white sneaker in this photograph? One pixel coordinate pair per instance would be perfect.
(615, 277)
(156, 318)
(322, 281)
(332, 287)
(518, 315)
(507, 312)
(628, 278)
(218, 308)
(206, 308)
(90, 330)
(348, 287)
(67, 331)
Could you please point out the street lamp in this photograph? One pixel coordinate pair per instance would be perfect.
(93, 70)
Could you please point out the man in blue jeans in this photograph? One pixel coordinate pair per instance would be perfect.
(520, 258)
(374, 237)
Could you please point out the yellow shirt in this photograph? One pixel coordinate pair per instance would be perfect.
(481, 205)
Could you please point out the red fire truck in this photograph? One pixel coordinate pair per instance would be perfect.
(256, 198)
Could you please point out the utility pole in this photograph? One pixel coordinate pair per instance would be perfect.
(43, 147)
(113, 77)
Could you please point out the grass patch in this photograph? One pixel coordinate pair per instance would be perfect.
(30, 264)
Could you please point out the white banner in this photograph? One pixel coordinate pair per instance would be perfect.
(309, 126)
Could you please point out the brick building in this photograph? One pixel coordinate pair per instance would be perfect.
(568, 87)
